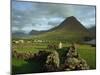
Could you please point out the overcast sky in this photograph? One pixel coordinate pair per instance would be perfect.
(27, 16)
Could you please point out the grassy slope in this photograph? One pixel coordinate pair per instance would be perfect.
(61, 36)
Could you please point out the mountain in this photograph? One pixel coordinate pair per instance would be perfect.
(93, 31)
(70, 29)
(71, 24)
(19, 34)
(35, 32)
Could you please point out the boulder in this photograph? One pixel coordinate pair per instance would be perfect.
(52, 62)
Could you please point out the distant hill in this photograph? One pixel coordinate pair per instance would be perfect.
(70, 29)
(35, 32)
(93, 31)
(19, 34)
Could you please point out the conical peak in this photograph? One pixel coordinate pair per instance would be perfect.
(71, 18)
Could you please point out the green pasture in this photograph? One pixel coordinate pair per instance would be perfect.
(21, 66)
(89, 54)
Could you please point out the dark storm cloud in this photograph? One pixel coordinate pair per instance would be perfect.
(42, 16)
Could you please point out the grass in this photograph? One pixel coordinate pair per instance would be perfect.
(89, 54)
(21, 66)
(29, 47)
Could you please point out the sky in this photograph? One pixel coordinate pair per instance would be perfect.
(27, 16)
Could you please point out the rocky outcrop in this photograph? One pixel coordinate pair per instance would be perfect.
(73, 60)
(52, 62)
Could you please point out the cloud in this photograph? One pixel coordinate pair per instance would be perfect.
(43, 16)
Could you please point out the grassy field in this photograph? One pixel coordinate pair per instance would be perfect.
(89, 54)
(21, 66)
